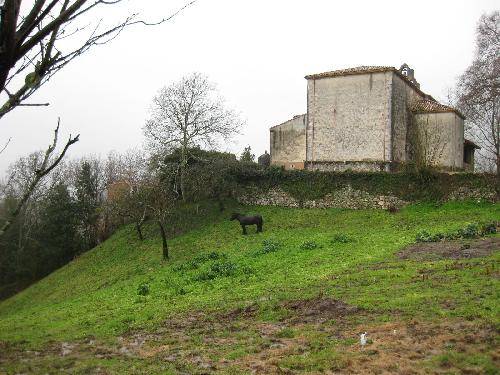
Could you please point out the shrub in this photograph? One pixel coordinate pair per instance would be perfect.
(220, 268)
(341, 238)
(286, 333)
(197, 261)
(143, 289)
(425, 236)
(180, 291)
(470, 231)
(224, 268)
(268, 246)
(309, 245)
(489, 228)
(452, 236)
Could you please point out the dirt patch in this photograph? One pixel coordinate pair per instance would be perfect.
(451, 249)
(398, 347)
(402, 347)
(319, 309)
(415, 348)
(240, 312)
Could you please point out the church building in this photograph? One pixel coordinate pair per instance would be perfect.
(371, 118)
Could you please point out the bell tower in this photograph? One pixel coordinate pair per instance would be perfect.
(409, 73)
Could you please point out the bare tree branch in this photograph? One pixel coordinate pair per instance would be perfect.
(47, 165)
(5, 146)
(31, 41)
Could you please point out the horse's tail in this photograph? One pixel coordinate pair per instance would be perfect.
(259, 224)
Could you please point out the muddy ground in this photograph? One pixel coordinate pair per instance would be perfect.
(451, 249)
(204, 345)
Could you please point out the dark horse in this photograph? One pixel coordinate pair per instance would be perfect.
(248, 220)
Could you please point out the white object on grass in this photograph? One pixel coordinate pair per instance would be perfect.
(362, 339)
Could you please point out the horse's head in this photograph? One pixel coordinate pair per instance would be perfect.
(234, 216)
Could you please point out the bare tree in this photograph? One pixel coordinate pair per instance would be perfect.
(46, 165)
(429, 146)
(126, 179)
(478, 89)
(131, 202)
(32, 41)
(161, 203)
(20, 174)
(187, 114)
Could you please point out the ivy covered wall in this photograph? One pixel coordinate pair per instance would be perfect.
(301, 188)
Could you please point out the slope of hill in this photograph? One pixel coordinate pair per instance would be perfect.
(292, 299)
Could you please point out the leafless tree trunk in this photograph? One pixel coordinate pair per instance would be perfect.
(161, 203)
(163, 240)
(187, 114)
(138, 225)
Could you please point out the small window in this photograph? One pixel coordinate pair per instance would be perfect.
(467, 156)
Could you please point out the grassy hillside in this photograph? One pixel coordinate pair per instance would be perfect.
(291, 299)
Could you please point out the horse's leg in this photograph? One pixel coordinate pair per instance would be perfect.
(244, 229)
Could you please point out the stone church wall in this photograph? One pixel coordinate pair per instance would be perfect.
(288, 143)
(348, 119)
(403, 96)
(441, 139)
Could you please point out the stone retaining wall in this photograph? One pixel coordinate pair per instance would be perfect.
(348, 197)
(344, 198)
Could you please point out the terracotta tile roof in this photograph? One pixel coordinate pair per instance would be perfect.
(432, 106)
(367, 70)
(284, 122)
(352, 71)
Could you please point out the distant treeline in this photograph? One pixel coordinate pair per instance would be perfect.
(84, 201)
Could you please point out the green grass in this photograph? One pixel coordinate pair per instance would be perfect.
(123, 285)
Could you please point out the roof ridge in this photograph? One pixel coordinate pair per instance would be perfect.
(354, 70)
(366, 69)
(432, 106)
(290, 119)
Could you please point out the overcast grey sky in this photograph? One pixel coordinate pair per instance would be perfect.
(256, 51)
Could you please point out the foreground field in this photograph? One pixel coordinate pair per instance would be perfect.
(292, 299)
